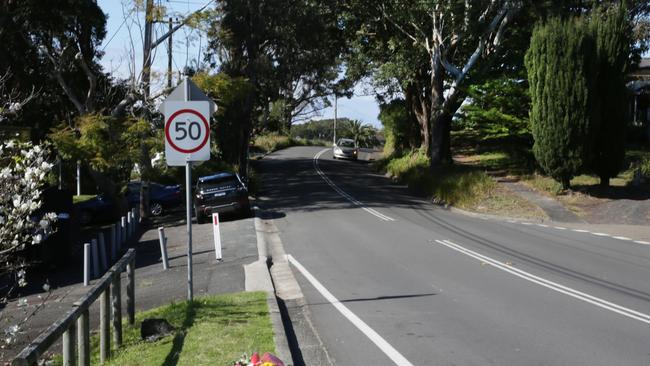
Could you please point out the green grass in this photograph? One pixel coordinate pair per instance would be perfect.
(212, 330)
(82, 198)
(273, 141)
(454, 185)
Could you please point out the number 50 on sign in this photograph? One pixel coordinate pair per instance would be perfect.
(187, 132)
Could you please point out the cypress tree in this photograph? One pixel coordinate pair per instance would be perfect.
(612, 33)
(560, 74)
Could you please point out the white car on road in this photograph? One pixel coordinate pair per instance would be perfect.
(345, 149)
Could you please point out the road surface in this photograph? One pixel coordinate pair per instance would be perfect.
(391, 279)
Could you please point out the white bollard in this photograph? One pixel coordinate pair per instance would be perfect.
(216, 228)
(113, 243)
(129, 223)
(102, 251)
(123, 228)
(163, 247)
(86, 264)
(93, 249)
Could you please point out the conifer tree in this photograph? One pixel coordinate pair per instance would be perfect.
(560, 70)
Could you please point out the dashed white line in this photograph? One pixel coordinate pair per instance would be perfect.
(601, 234)
(378, 340)
(642, 242)
(559, 227)
(630, 313)
(526, 223)
(580, 230)
(345, 194)
(542, 225)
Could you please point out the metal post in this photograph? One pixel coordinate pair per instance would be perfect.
(188, 203)
(163, 247)
(169, 55)
(102, 251)
(78, 178)
(104, 326)
(113, 243)
(116, 301)
(86, 264)
(93, 249)
(69, 346)
(83, 338)
(123, 228)
(129, 223)
(130, 291)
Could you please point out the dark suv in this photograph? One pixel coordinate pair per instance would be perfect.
(222, 193)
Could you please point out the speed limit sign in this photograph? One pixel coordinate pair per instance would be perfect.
(187, 132)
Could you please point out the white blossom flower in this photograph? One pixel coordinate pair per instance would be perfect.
(22, 302)
(46, 287)
(37, 239)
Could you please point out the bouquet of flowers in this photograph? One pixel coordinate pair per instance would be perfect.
(267, 359)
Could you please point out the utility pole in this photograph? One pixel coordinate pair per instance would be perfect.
(146, 52)
(335, 115)
(169, 56)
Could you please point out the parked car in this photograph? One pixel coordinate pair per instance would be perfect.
(223, 193)
(96, 209)
(161, 197)
(345, 149)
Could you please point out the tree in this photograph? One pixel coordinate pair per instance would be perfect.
(427, 51)
(560, 63)
(611, 29)
(400, 128)
(362, 134)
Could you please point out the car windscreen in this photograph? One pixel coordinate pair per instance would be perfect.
(346, 143)
(218, 183)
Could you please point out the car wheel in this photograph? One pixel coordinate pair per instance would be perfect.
(200, 219)
(85, 217)
(156, 209)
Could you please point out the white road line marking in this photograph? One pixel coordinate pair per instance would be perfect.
(559, 227)
(380, 342)
(630, 313)
(601, 234)
(542, 225)
(343, 193)
(526, 223)
(621, 237)
(580, 230)
(642, 242)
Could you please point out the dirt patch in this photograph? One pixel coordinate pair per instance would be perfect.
(503, 202)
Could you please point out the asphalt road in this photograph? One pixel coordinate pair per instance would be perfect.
(401, 281)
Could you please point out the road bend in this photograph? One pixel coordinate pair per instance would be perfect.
(391, 279)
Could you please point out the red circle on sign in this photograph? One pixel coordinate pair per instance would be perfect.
(205, 139)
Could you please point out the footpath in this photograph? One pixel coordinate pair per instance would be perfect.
(156, 286)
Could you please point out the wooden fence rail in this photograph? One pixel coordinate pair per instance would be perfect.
(74, 327)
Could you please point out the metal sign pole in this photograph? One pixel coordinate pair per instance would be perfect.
(188, 198)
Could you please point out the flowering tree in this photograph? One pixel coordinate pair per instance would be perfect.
(23, 169)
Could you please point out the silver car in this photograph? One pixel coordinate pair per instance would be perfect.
(345, 149)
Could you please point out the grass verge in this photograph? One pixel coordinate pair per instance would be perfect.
(273, 141)
(82, 198)
(211, 330)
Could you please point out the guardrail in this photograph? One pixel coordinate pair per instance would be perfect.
(74, 327)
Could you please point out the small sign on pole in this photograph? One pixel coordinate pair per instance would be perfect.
(217, 235)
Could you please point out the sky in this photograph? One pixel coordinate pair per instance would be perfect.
(123, 49)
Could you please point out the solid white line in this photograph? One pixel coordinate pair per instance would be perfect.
(630, 313)
(345, 194)
(621, 237)
(380, 342)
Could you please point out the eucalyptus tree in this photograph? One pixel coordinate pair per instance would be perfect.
(428, 51)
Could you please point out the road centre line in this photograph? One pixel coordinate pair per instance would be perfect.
(630, 313)
(378, 340)
(345, 194)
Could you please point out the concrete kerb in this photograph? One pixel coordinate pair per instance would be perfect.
(258, 278)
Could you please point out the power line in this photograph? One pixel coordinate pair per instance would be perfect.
(118, 29)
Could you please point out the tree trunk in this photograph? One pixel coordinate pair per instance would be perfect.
(440, 152)
(604, 181)
(566, 183)
(145, 171)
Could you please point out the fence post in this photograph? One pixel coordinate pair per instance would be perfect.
(163, 247)
(116, 300)
(104, 326)
(86, 264)
(69, 347)
(93, 249)
(130, 290)
(129, 224)
(123, 228)
(103, 256)
(83, 338)
(113, 243)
